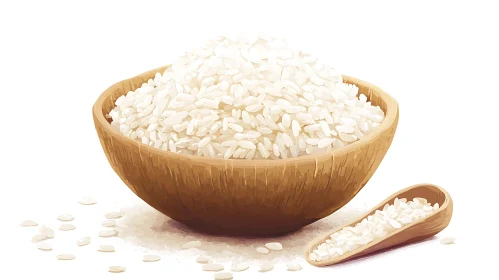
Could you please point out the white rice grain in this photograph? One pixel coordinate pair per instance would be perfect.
(213, 267)
(262, 250)
(65, 218)
(29, 223)
(65, 257)
(293, 267)
(38, 238)
(151, 258)
(274, 246)
(107, 233)
(87, 201)
(117, 269)
(447, 240)
(46, 231)
(113, 215)
(109, 223)
(238, 267)
(265, 267)
(203, 259)
(223, 276)
(67, 227)
(83, 241)
(106, 248)
(44, 246)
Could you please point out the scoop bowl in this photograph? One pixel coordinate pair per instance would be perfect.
(244, 197)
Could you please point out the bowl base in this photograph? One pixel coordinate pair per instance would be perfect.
(212, 229)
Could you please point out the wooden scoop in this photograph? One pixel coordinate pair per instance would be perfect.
(413, 232)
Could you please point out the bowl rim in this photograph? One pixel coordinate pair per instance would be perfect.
(391, 116)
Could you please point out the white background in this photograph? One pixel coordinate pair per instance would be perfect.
(437, 58)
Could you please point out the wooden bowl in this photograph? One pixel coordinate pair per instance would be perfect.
(244, 197)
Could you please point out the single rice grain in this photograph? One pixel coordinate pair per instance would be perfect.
(29, 223)
(65, 257)
(213, 267)
(117, 269)
(151, 258)
(65, 217)
(223, 276)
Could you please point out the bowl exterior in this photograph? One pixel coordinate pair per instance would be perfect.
(225, 196)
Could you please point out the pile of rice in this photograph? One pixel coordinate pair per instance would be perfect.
(236, 98)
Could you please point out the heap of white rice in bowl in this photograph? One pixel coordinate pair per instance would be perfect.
(241, 99)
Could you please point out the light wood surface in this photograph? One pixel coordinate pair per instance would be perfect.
(244, 197)
(417, 231)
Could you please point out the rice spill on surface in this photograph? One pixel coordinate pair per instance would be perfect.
(243, 99)
(392, 217)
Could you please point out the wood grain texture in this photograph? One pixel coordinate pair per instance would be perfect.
(417, 231)
(237, 196)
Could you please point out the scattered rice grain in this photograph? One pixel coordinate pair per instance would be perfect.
(213, 267)
(29, 223)
(262, 250)
(38, 238)
(274, 246)
(107, 233)
(87, 201)
(66, 227)
(106, 248)
(293, 266)
(83, 241)
(44, 246)
(238, 267)
(65, 257)
(266, 267)
(46, 231)
(113, 215)
(117, 269)
(109, 223)
(223, 276)
(65, 217)
(447, 240)
(151, 258)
